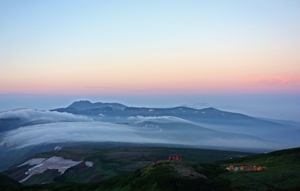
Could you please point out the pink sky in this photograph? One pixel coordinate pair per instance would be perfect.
(141, 48)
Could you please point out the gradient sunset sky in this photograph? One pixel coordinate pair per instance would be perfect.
(150, 50)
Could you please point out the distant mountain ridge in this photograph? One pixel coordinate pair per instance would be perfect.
(83, 121)
(206, 115)
(83, 105)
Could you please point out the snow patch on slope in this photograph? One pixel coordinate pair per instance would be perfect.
(43, 164)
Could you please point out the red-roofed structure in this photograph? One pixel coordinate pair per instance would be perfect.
(175, 157)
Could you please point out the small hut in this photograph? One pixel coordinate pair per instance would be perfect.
(175, 157)
(154, 161)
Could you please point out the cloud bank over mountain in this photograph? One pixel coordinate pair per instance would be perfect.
(183, 126)
(32, 114)
(160, 133)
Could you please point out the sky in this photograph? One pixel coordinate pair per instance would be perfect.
(229, 54)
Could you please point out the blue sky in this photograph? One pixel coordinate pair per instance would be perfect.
(152, 53)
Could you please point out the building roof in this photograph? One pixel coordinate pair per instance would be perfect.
(174, 155)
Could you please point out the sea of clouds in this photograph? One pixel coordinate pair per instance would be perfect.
(104, 132)
(137, 129)
(32, 114)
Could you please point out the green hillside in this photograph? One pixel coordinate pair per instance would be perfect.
(162, 176)
(109, 163)
(282, 173)
(7, 182)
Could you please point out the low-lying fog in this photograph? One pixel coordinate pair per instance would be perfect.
(32, 114)
(137, 129)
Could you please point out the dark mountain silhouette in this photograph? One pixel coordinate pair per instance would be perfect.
(84, 105)
(206, 115)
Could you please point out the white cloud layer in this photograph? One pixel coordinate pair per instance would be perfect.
(189, 135)
(159, 119)
(32, 114)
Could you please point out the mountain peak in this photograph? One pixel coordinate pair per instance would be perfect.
(85, 104)
(82, 104)
(210, 109)
(196, 105)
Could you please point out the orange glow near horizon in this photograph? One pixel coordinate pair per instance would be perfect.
(276, 84)
(189, 48)
(165, 74)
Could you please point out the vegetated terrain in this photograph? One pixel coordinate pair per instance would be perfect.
(8, 183)
(283, 173)
(106, 163)
(22, 131)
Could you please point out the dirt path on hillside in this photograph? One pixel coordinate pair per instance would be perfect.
(188, 171)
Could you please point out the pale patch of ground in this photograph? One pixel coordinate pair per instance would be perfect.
(187, 171)
(57, 163)
(89, 164)
(57, 148)
(33, 161)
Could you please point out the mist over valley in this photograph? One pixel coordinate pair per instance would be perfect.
(101, 123)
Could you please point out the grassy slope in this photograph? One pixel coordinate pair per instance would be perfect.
(112, 162)
(283, 173)
(159, 177)
(7, 182)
